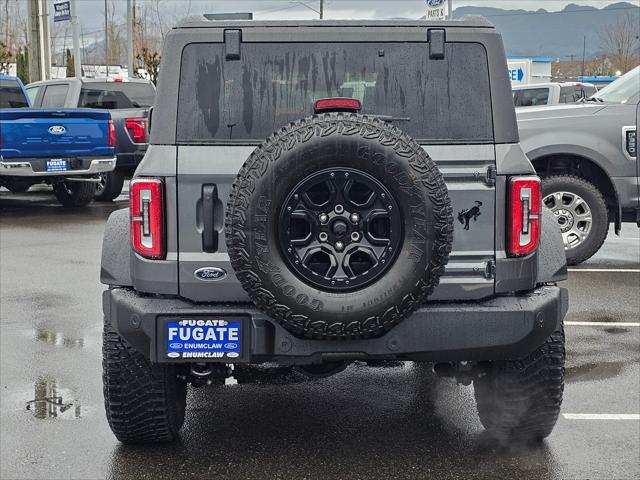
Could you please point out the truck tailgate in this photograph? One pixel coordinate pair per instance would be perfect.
(28, 133)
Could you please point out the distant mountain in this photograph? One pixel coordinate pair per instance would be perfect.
(553, 34)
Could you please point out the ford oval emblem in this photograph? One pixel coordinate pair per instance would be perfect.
(210, 274)
(435, 3)
(57, 130)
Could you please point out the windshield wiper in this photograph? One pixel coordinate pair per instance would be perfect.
(594, 99)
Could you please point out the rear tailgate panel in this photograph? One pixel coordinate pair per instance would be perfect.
(30, 133)
(464, 167)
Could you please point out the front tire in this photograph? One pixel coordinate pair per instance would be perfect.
(581, 213)
(145, 402)
(520, 400)
(74, 194)
(109, 187)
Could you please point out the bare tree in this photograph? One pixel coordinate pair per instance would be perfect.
(116, 36)
(621, 41)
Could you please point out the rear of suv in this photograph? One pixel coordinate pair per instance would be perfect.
(326, 192)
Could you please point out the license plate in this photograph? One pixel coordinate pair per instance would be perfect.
(56, 165)
(203, 339)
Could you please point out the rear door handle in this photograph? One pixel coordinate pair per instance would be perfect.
(209, 233)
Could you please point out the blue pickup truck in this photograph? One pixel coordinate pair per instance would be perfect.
(68, 148)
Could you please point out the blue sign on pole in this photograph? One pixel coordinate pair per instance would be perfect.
(61, 11)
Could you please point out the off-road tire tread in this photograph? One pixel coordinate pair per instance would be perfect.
(579, 255)
(520, 400)
(145, 403)
(302, 131)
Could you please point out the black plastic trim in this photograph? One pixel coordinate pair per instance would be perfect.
(508, 327)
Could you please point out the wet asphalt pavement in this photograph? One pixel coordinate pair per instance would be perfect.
(394, 422)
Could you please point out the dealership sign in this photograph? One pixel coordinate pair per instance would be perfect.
(61, 11)
(436, 9)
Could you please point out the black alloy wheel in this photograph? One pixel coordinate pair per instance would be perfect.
(340, 229)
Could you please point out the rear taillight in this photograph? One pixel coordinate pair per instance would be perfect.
(524, 216)
(146, 210)
(112, 134)
(138, 130)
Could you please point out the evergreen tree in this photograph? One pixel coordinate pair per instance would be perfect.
(22, 65)
(71, 69)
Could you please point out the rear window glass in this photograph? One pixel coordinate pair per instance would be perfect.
(11, 95)
(531, 97)
(54, 96)
(574, 94)
(273, 84)
(116, 95)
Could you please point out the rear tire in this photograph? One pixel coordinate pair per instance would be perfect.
(520, 400)
(110, 186)
(145, 402)
(18, 187)
(593, 202)
(74, 194)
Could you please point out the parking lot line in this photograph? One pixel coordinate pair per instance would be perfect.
(601, 416)
(603, 324)
(605, 270)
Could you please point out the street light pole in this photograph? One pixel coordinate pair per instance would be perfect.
(75, 27)
(130, 38)
(321, 9)
(450, 9)
(106, 38)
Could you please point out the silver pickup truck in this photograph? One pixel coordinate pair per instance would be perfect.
(587, 155)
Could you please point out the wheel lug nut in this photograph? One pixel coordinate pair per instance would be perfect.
(355, 236)
(339, 209)
(339, 246)
(323, 236)
(355, 218)
(324, 218)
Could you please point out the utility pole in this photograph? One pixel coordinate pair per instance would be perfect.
(450, 9)
(39, 47)
(584, 48)
(130, 8)
(75, 27)
(321, 9)
(106, 38)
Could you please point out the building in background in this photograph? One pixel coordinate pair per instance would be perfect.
(528, 70)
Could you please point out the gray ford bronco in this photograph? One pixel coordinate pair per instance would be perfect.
(390, 214)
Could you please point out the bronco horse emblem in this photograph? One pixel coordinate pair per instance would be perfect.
(466, 215)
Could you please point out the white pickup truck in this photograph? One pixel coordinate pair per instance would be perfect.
(556, 93)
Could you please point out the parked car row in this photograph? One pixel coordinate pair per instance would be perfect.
(48, 135)
(538, 94)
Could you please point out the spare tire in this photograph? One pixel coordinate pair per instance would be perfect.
(339, 226)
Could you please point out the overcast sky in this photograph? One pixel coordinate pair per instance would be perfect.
(90, 11)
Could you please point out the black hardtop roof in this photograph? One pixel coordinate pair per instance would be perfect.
(469, 21)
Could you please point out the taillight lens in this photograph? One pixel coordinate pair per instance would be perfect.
(138, 130)
(524, 215)
(146, 210)
(337, 104)
(112, 134)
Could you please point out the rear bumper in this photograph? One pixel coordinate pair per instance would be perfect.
(500, 328)
(33, 167)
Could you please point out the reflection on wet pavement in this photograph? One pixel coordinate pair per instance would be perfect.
(57, 338)
(51, 401)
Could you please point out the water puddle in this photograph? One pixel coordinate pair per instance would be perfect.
(50, 337)
(52, 401)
